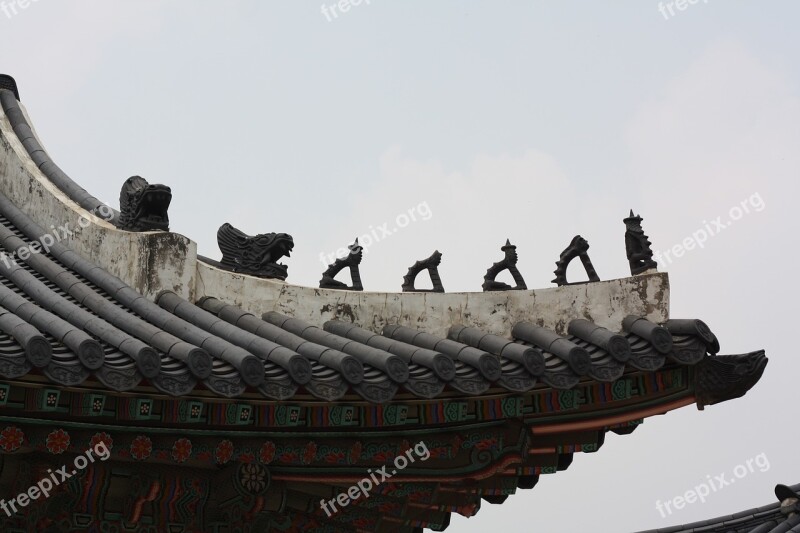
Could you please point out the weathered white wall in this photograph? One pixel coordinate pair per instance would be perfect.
(148, 262)
(153, 261)
(606, 303)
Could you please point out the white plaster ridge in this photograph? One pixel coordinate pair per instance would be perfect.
(605, 303)
(153, 261)
(147, 262)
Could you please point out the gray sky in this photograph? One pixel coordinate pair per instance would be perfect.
(534, 121)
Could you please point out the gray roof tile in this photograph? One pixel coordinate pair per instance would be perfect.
(98, 325)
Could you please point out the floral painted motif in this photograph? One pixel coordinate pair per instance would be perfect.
(253, 477)
(335, 457)
(181, 450)
(224, 452)
(203, 456)
(103, 437)
(355, 453)
(309, 453)
(383, 457)
(247, 458)
(57, 441)
(288, 457)
(267, 452)
(11, 439)
(141, 447)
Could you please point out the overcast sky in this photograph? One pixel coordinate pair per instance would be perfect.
(533, 121)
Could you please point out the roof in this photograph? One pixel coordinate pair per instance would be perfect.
(772, 518)
(96, 325)
(217, 377)
(176, 345)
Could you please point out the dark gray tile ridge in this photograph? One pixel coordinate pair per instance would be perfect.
(604, 367)
(88, 350)
(687, 349)
(613, 343)
(694, 327)
(515, 377)
(145, 357)
(348, 366)
(768, 519)
(296, 365)
(529, 357)
(391, 365)
(37, 350)
(428, 371)
(644, 356)
(557, 373)
(441, 365)
(37, 153)
(765, 527)
(377, 387)
(658, 336)
(576, 357)
(485, 363)
(423, 382)
(250, 366)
